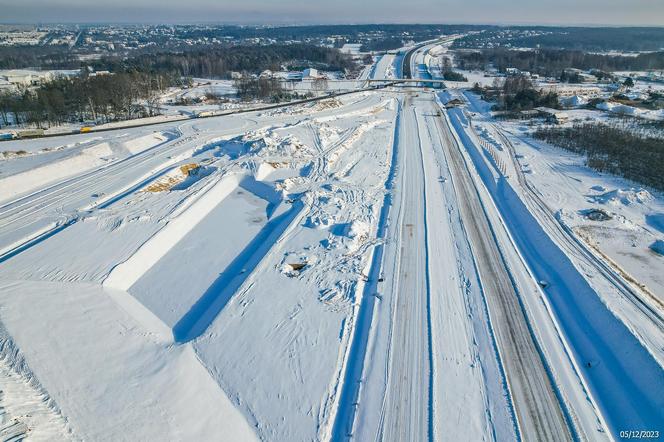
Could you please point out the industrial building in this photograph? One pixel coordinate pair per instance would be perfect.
(553, 115)
(310, 73)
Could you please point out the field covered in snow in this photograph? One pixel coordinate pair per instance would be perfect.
(154, 251)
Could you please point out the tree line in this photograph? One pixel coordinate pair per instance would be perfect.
(347, 33)
(382, 44)
(219, 62)
(552, 62)
(199, 61)
(51, 57)
(577, 38)
(613, 148)
(133, 88)
(449, 73)
(516, 94)
(271, 89)
(105, 98)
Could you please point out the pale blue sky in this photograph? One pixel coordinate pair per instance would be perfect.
(593, 12)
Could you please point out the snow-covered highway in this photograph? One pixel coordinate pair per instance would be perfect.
(413, 274)
(406, 410)
(538, 410)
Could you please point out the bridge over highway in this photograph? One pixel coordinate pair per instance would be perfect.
(411, 81)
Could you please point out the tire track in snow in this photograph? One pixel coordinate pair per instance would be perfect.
(352, 379)
(575, 245)
(408, 412)
(539, 414)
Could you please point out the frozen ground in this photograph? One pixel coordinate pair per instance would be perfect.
(368, 267)
(269, 192)
(620, 310)
(616, 217)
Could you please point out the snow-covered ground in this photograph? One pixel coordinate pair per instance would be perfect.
(269, 192)
(36, 165)
(370, 266)
(547, 197)
(576, 193)
(631, 111)
(209, 87)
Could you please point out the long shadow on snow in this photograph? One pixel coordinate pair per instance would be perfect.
(264, 191)
(215, 298)
(626, 381)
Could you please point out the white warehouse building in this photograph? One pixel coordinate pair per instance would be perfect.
(310, 73)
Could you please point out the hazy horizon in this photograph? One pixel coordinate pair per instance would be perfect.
(298, 12)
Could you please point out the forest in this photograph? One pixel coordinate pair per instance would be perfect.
(595, 39)
(516, 94)
(615, 148)
(382, 44)
(219, 62)
(209, 60)
(135, 83)
(104, 98)
(551, 62)
(40, 57)
(267, 89)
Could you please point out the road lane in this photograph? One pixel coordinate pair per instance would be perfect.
(538, 410)
(407, 401)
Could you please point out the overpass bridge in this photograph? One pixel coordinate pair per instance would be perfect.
(407, 80)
